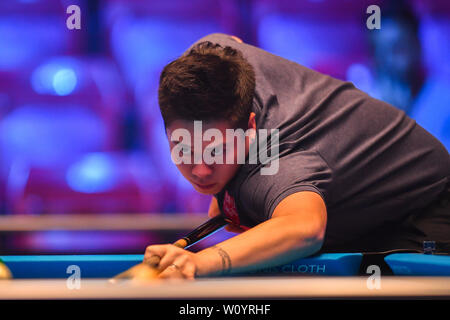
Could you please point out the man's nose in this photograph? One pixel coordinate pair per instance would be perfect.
(201, 170)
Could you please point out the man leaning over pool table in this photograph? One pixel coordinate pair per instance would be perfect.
(353, 173)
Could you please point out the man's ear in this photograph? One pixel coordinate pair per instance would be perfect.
(252, 121)
(252, 126)
(236, 39)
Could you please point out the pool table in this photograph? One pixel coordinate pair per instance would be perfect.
(329, 275)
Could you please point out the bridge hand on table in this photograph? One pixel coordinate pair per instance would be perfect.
(152, 268)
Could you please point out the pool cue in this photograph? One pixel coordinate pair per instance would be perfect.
(148, 269)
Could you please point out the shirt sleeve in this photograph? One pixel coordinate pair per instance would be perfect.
(298, 171)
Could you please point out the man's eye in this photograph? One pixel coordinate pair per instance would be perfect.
(185, 150)
(217, 151)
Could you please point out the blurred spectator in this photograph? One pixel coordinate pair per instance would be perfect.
(431, 109)
(397, 53)
(411, 69)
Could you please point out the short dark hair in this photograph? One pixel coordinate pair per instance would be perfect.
(209, 83)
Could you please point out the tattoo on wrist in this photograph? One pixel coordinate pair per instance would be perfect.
(226, 260)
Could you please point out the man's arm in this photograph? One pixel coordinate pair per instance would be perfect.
(296, 230)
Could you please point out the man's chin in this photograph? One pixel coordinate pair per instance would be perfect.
(205, 192)
(209, 190)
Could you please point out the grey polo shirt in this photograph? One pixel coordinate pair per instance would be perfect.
(370, 162)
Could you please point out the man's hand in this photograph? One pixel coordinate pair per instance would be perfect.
(176, 263)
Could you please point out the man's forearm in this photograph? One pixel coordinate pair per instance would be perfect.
(274, 242)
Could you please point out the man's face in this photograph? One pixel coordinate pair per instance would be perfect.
(206, 177)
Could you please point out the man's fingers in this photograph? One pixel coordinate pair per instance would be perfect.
(161, 261)
(161, 256)
(174, 270)
(144, 272)
(171, 273)
(153, 254)
(156, 250)
(179, 269)
(169, 259)
(139, 271)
